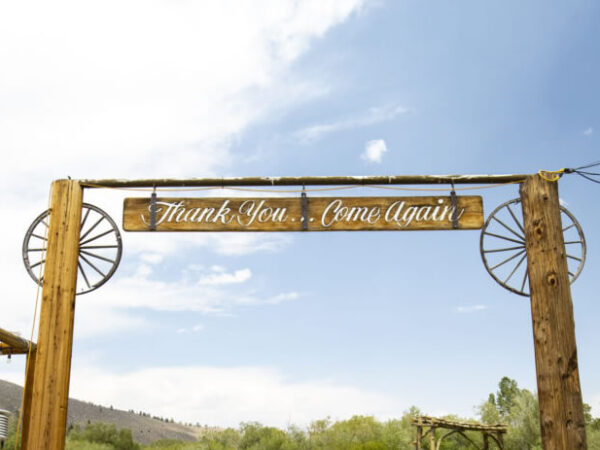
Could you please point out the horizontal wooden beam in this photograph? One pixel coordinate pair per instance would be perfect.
(17, 343)
(426, 421)
(307, 181)
(6, 349)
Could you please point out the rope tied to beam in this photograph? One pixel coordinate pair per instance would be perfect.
(555, 175)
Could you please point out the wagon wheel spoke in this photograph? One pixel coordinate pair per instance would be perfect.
(98, 236)
(37, 263)
(85, 278)
(102, 274)
(81, 238)
(507, 249)
(510, 229)
(515, 268)
(93, 255)
(525, 278)
(512, 214)
(505, 261)
(99, 250)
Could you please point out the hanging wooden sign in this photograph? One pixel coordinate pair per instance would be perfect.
(303, 214)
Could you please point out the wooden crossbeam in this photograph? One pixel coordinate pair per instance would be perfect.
(463, 426)
(495, 432)
(307, 181)
(10, 343)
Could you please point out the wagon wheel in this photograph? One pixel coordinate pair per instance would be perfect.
(100, 248)
(502, 246)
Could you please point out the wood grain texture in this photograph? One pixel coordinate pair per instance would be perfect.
(561, 407)
(11, 340)
(27, 395)
(49, 397)
(377, 180)
(285, 214)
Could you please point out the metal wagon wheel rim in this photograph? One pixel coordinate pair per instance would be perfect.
(506, 259)
(100, 248)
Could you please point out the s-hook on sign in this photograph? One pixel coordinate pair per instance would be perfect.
(303, 213)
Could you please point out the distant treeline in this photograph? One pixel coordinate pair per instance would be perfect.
(516, 408)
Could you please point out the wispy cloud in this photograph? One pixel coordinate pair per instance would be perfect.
(283, 297)
(471, 309)
(588, 131)
(374, 151)
(371, 116)
(177, 120)
(221, 277)
(217, 291)
(195, 329)
(228, 244)
(228, 396)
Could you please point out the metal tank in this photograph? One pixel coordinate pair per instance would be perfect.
(3, 426)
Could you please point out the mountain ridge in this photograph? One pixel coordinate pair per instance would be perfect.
(145, 429)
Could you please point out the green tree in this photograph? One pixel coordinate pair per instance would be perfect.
(519, 410)
(257, 437)
(488, 411)
(101, 433)
(506, 395)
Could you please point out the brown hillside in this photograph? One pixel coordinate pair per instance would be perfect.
(144, 429)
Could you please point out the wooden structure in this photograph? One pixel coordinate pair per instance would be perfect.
(561, 407)
(303, 213)
(11, 344)
(427, 428)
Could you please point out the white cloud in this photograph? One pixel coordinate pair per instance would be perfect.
(165, 97)
(228, 244)
(86, 93)
(221, 278)
(283, 297)
(374, 150)
(588, 131)
(227, 396)
(371, 116)
(95, 319)
(151, 258)
(470, 309)
(176, 295)
(116, 308)
(195, 329)
(595, 404)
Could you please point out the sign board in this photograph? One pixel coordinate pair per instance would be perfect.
(303, 214)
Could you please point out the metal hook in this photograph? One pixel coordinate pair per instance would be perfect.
(153, 209)
(454, 202)
(304, 208)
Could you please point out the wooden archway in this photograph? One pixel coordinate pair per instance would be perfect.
(561, 406)
(426, 428)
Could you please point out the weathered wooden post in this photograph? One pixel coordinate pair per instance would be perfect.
(559, 392)
(26, 414)
(47, 415)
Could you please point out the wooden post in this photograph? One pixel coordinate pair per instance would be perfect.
(419, 437)
(561, 407)
(27, 394)
(49, 397)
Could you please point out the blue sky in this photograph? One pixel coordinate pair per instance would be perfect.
(288, 328)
